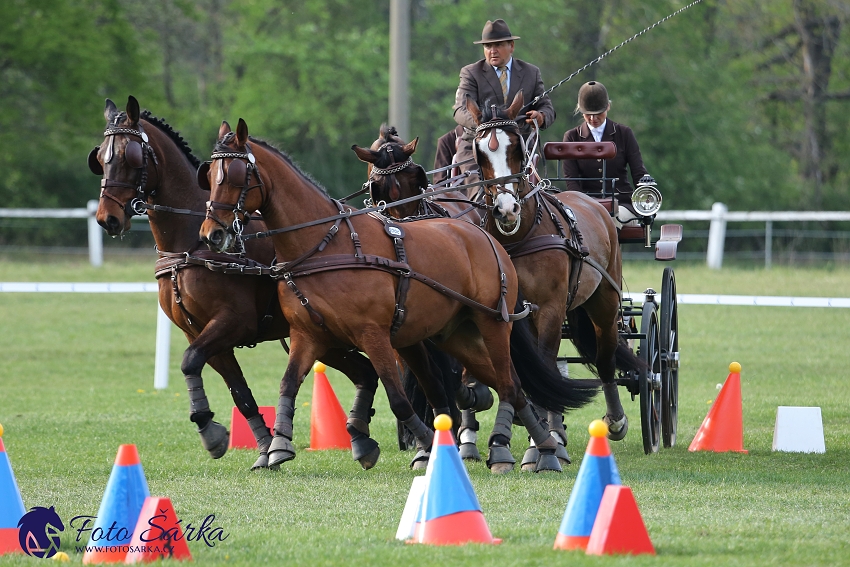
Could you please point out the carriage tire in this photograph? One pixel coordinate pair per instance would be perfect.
(649, 350)
(670, 347)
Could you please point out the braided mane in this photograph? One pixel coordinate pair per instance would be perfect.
(174, 135)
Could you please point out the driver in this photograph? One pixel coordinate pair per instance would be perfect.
(593, 105)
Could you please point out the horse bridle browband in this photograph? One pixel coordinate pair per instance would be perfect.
(233, 172)
(135, 156)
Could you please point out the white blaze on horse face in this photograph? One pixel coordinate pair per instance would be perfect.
(505, 203)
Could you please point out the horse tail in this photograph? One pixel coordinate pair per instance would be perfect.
(540, 378)
(583, 336)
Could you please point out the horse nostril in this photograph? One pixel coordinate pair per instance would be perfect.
(215, 238)
(112, 222)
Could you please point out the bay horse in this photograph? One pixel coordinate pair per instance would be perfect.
(146, 166)
(394, 176)
(379, 287)
(550, 238)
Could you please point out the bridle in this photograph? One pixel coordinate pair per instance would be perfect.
(389, 172)
(135, 156)
(526, 168)
(241, 168)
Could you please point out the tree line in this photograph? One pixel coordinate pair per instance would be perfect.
(741, 102)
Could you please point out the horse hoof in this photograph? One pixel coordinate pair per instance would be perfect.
(262, 462)
(370, 460)
(280, 451)
(500, 460)
(563, 456)
(363, 447)
(617, 429)
(420, 461)
(469, 452)
(529, 459)
(548, 462)
(278, 457)
(214, 438)
(501, 468)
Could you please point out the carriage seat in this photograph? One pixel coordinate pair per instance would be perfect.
(579, 150)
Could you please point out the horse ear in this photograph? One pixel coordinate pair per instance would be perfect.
(110, 110)
(410, 147)
(513, 109)
(368, 156)
(241, 133)
(224, 129)
(133, 109)
(203, 176)
(473, 109)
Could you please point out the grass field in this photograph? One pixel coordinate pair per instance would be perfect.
(76, 381)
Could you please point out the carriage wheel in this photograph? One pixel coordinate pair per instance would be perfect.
(649, 350)
(670, 348)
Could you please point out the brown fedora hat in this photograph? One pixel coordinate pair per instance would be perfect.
(496, 31)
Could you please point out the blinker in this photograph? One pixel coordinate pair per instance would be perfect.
(94, 164)
(133, 154)
(236, 172)
(203, 172)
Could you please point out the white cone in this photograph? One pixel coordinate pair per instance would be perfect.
(798, 430)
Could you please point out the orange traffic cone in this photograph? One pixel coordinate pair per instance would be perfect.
(157, 534)
(241, 436)
(327, 418)
(723, 427)
(619, 527)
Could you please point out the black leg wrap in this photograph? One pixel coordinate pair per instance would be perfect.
(264, 440)
(475, 396)
(281, 448)
(468, 436)
(558, 430)
(424, 440)
(499, 459)
(361, 411)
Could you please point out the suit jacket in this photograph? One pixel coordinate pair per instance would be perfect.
(628, 154)
(480, 81)
(446, 149)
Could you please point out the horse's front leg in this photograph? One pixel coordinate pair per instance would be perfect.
(302, 354)
(359, 370)
(607, 340)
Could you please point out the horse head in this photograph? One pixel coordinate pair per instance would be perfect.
(230, 175)
(122, 160)
(393, 175)
(499, 151)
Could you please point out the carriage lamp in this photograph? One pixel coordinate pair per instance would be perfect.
(646, 199)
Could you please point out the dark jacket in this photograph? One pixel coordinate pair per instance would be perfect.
(628, 154)
(446, 149)
(479, 81)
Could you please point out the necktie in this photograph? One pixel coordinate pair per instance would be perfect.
(503, 79)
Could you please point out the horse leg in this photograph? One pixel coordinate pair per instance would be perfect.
(303, 353)
(472, 397)
(227, 365)
(607, 340)
(547, 326)
(214, 436)
(359, 370)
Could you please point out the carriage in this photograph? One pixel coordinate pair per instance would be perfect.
(653, 323)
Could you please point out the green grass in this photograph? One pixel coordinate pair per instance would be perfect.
(76, 381)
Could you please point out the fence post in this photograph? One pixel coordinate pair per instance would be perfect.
(95, 235)
(716, 236)
(768, 244)
(163, 349)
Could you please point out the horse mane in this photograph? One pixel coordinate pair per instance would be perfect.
(175, 137)
(307, 177)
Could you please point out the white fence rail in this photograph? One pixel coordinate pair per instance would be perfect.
(719, 215)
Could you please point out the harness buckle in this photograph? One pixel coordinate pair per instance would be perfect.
(138, 206)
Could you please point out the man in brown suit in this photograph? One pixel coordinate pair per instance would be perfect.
(498, 78)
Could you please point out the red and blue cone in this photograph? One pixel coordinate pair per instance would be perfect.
(449, 513)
